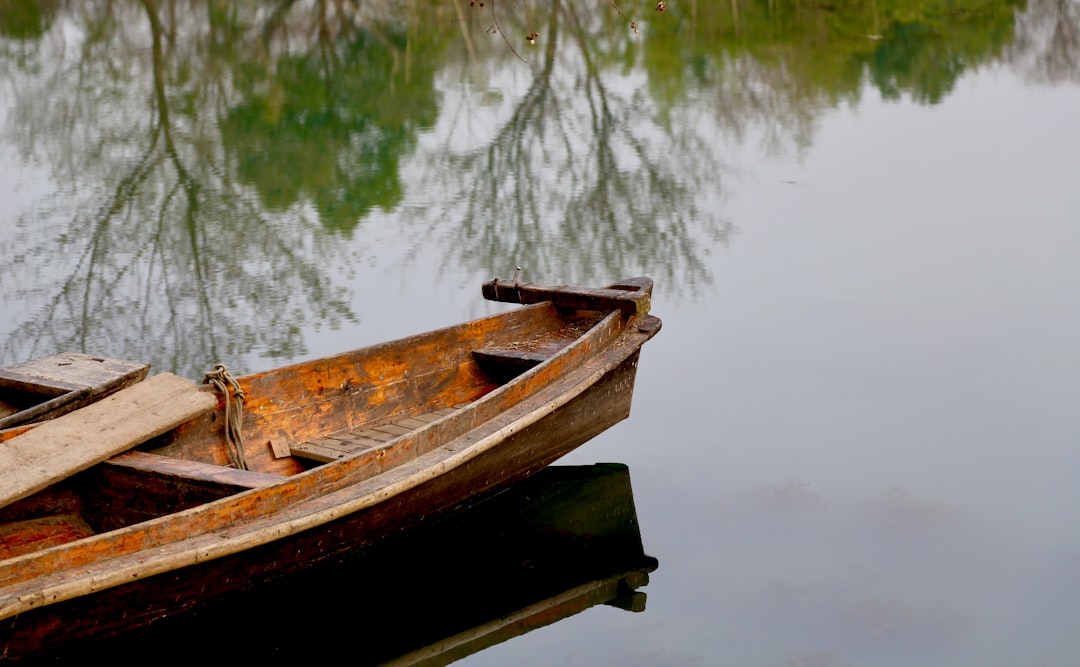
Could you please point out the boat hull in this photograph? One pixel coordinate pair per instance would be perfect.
(145, 600)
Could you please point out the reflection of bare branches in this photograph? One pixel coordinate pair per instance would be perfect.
(174, 254)
(580, 180)
(463, 24)
(1047, 44)
(752, 96)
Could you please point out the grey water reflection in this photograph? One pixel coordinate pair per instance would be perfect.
(1047, 45)
(211, 171)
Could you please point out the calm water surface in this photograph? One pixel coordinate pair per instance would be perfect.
(855, 440)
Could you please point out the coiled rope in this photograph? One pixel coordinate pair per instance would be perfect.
(223, 381)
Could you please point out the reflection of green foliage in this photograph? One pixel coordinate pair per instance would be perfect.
(25, 19)
(331, 125)
(825, 50)
(926, 57)
(913, 57)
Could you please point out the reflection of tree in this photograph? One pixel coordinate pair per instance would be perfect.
(202, 148)
(912, 57)
(576, 179)
(926, 56)
(330, 124)
(25, 20)
(170, 260)
(776, 65)
(1048, 41)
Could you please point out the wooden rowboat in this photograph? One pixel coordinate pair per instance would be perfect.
(545, 549)
(165, 493)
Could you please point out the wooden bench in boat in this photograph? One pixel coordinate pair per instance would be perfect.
(505, 363)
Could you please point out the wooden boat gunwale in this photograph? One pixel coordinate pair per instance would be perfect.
(135, 552)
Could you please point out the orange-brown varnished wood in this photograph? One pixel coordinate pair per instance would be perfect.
(309, 400)
(43, 520)
(39, 533)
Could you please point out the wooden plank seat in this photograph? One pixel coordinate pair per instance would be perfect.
(366, 436)
(507, 362)
(60, 373)
(504, 363)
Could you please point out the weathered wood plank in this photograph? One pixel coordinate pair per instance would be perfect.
(66, 445)
(336, 445)
(46, 388)
(316, 452)
(412, 422)
(330, 444)
(353, 442)
(631, 297)
(507, 355)
(393, 429)
(60, 373)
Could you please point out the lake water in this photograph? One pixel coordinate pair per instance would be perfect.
(855, 440)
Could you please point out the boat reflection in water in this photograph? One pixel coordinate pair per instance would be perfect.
(544, 549)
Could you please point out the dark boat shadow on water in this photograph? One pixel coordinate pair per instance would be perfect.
(545, 549)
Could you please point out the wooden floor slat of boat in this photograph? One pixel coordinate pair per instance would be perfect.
(368, 436)
(41, 532)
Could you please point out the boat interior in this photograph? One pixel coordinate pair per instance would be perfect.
(351, 416)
